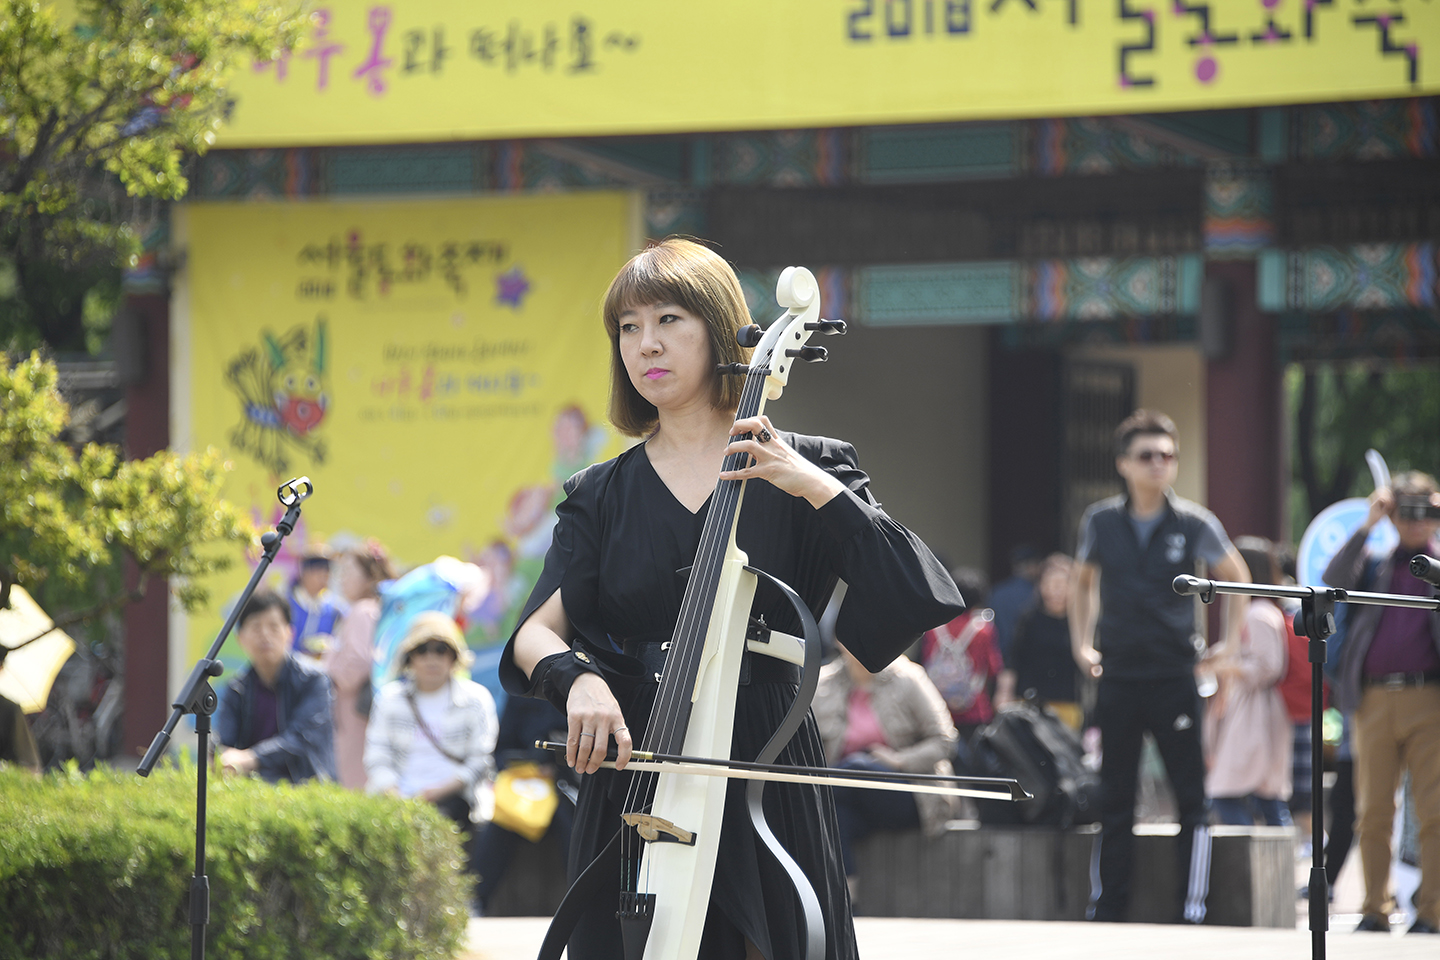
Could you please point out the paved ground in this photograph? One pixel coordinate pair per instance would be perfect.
(518, 938)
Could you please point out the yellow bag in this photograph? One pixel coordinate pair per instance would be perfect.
(525, 801)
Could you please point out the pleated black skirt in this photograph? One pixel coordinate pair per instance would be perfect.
(752, 897)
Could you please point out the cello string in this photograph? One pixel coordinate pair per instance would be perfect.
(686, 650)
(667, 720)
(702, 590)
(699, 601)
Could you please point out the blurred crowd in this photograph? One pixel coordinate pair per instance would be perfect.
(306, 706)
(1059, 675)
(1065, 670)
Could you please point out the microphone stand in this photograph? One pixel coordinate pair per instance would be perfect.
(1316, 621)
(198, 697)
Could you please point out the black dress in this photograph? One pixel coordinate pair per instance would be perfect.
(619, 544)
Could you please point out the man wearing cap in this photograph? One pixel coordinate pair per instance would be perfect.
(1390, 678)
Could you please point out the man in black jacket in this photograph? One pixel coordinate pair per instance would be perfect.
(274, 718)
(1131, 548)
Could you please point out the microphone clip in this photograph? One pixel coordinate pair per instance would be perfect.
(292, 492)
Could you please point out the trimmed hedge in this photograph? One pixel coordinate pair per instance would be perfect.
(99, 866)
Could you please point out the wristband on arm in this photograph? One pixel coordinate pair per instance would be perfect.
(556, 674)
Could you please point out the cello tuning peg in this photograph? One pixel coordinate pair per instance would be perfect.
(828, 327)
(810, 354)
(736, 369)
(749, 335)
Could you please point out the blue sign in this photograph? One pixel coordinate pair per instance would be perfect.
(1328, 532)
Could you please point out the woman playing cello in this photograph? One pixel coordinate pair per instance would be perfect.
(592, 635)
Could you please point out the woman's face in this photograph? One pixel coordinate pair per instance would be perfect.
(666, 352)
(431, 664)
(353, 582)
(1055, 590)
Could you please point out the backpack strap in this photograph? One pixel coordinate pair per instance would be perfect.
(962, 642)
(425, 728)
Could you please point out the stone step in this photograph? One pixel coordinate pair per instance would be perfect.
(1038, 873)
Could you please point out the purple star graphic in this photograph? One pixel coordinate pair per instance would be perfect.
(511, 287)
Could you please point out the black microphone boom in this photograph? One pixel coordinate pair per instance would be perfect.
(1316, 621)
(1426, 568)
(198, 698)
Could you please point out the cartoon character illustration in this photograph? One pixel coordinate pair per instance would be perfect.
(515, 559)
(577, 444)
(283, 396)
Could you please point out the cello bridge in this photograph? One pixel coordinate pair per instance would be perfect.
(653, 829)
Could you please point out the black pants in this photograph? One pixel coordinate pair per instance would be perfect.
(457, 808)
(495, 847)
(1342, 820)
(1170, 711)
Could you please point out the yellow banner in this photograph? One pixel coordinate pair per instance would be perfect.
(437, 368)
(421, 70)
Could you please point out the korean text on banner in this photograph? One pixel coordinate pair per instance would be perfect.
(437, 367)
(418, 70)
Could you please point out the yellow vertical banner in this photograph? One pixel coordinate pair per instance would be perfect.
(436, 367)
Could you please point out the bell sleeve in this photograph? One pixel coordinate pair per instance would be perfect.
(897, 587)
(570, 562)
(572, 566)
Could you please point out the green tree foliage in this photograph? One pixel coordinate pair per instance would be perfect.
(1340, 410)
(73, 517)
(99, 105)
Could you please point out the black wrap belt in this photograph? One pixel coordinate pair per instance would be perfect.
(754, 668)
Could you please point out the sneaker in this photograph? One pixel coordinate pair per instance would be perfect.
(1421, 926)
(1372, 924)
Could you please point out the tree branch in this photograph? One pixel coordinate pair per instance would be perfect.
(104, 606)
(25, 170)
(83, 122)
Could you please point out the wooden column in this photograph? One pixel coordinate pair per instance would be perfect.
(147, 431)
(1244, 410)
